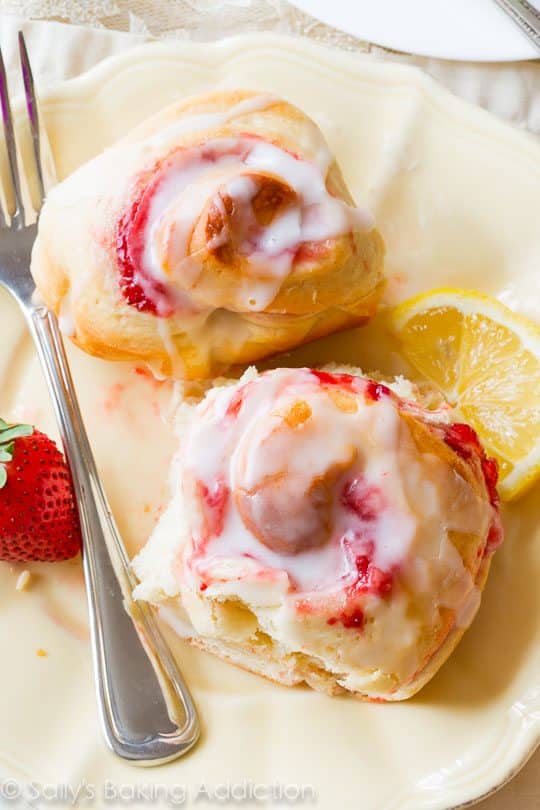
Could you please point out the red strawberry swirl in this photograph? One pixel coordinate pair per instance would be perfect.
(240, 204)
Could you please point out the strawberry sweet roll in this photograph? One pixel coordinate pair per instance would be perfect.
(217, 233)
(323, 529)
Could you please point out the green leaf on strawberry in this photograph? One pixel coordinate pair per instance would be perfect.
(8, 434)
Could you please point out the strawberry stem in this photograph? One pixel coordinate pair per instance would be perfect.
(6, 452)
(8, 435)
(15, 432)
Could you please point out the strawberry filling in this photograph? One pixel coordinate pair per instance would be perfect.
(215, 500)
(139, 289)
(369, 580)
(236, 402)
(353, 619)
(236, 228)
(375, 391)
(364, 500)
(347, 381)
(465, 442)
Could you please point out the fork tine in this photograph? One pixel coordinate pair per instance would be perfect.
(33, 111)
(18, 216)
(3, 222)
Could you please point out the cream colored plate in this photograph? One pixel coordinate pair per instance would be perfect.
(456, 194)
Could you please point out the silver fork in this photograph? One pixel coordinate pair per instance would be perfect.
(525, 16)
(147, 713)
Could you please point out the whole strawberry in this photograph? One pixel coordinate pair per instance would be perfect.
(38, 517)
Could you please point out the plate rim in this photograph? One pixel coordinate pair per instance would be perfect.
(89, 81)
(526, 53)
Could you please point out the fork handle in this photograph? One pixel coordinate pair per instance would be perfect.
(526, 17)
(147, 713)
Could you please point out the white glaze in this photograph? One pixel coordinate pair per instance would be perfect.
(200, 122)
(200, 174)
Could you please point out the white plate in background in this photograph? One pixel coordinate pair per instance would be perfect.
(476, 30)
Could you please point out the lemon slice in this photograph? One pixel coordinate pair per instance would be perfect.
(486, 361)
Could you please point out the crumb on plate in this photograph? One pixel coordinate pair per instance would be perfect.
(23, 581)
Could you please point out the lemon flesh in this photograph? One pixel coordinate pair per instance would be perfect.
(486, 361)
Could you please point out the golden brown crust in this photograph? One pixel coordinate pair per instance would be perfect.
(75, 266)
